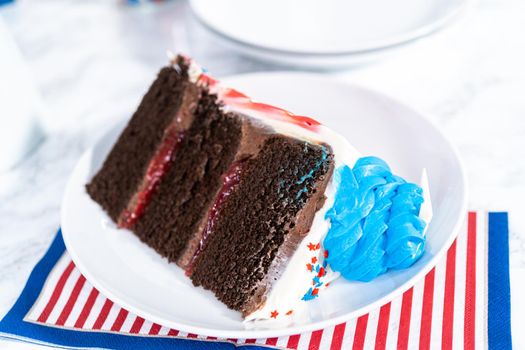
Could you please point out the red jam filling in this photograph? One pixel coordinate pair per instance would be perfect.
(229, 182)
(157, 168)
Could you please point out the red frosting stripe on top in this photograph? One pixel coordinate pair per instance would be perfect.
(207, 80)
(235, 98)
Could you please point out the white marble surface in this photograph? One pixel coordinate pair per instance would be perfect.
(93, 60)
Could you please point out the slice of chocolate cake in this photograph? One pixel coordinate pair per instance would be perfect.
(218, 192)
(246, 197)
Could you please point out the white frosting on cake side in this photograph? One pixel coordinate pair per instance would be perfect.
(284, 304)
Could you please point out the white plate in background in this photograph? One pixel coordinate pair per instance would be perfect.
(135, 277)
(326, 33)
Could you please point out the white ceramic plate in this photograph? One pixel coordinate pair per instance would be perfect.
(134, 276)
(323, 33)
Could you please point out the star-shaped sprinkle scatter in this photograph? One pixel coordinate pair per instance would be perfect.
(274, 314)
(318, 269)
(312, 246)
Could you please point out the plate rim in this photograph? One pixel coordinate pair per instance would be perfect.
(397, 41)
(308, 327)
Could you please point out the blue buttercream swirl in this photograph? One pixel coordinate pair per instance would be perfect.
(375, 224)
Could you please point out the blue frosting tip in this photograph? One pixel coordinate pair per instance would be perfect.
(375, 224)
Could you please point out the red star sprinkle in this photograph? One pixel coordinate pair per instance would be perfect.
(311, 246)
(289, 312)
(309, 267)
(314, 260)
(315, 291)
(317, 246)
(274, 314)
(321, 272)
(326, 254)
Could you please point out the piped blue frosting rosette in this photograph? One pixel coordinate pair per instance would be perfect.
(375, 223)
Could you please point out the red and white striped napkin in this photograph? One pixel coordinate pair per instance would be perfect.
(447, 309)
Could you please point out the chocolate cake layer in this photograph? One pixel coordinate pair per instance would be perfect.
(123, 170)
(190, 185)
(257, 218)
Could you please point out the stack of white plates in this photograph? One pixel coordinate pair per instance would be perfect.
(323, 34)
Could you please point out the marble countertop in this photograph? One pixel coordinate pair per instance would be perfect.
(93, 61)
